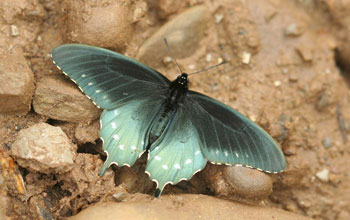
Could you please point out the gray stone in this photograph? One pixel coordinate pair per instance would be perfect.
(58, 98)
(44, 148)
(184, 33)
(16, 80)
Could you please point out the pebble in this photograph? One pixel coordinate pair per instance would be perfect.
(293, 30)
(277, 83)
(183, 33)
(246, 57)
(218, 18)
(323, 175)
(305, 52)
(16, 80)
(120, 196)
(208, 57)
(58, 98)
(248, 183)
(327, 142)
(87, 133)
(14, 30)
(44, 148)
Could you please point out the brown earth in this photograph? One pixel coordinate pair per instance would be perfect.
(288, 68)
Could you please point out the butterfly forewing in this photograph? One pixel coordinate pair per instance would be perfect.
(228, 137)
(108, 78)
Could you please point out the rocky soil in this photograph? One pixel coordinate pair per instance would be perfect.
(288, 69)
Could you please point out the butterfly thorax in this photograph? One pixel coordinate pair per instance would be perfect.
(176, 93)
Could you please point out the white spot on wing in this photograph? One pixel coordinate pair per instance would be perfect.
(115, 112)
(165, 167)
(97, 91)
(157, 158)
(246, 155)
(188, 161)
(217, 152)
(236, 154)
(114, 125)
(197, 152)
(115, 137)
(83, 75)
(121, 147)
(226, 154)
(90, 84)
(133, 147)
(177, 166)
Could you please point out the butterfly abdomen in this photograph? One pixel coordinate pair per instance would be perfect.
(161, 121)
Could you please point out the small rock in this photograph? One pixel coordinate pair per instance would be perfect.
(87, 133)
(101, 23)
(327, 143)
(16, 80)
(168, 7)
(14, 30)
(277, 83)
(248, 183)
(167, 60)
(246, 57)
(58, 98)
(293, 77)
(208, 57)
(120, 196)
(44, 148)
(293, 30)
(323, 175)
(218, 18)
(305, 52)
(39, 206)
(183, 32)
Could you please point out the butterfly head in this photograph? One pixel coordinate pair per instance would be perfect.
(182, 80)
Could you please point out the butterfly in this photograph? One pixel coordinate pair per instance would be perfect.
(180, 129)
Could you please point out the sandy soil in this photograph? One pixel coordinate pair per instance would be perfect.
(288, 70)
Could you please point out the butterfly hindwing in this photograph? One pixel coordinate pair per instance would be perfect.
(109, 79)
(176, 155)
(228, 137)
(124, 131)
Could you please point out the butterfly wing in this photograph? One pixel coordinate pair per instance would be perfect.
(124, 131)
(228, 137)
(176, 155)
(109, 79)
(130, 93)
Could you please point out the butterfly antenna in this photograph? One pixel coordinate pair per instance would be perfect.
(206, 69)
(167, 46)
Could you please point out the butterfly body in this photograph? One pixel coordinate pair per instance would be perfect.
(177, 90)
(145, 112)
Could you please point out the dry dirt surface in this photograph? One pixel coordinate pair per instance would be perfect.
(288, 69)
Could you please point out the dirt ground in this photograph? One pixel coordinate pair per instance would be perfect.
(288, 69)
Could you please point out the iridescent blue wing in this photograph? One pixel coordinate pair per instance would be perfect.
(176, 155)
(130, 92)
(124, 131)
(109, 79)
(228, 137)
